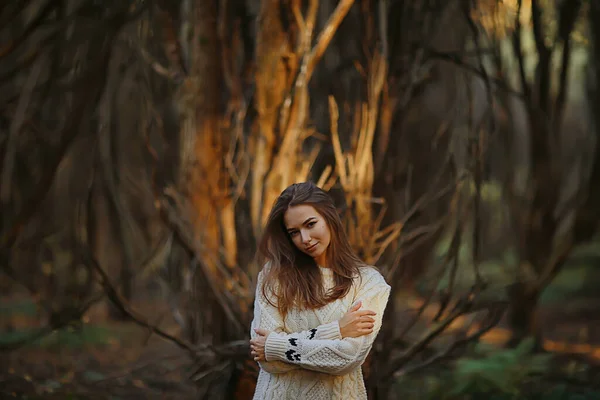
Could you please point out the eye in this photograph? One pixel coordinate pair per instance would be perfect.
(311, 224)
(293, 233)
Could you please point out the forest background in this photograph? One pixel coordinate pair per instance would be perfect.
(143, 142)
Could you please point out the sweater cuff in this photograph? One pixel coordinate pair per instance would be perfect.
(329, 331)
(275, 347)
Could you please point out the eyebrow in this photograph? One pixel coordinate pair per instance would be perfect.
(307, 220)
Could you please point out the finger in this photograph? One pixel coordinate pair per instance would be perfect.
(261, 332)
(356, 306)
(366, 326)
(363, 324)
(366, 312)
(365, 318)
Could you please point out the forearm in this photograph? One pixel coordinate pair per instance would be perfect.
(331, 356)
(335, 356)
(321, 332)
(328, 331)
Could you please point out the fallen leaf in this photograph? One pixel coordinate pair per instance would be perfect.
(139, 383)
(68, 377)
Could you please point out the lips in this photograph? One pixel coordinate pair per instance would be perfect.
(311, 248)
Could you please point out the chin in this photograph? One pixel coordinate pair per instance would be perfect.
(317, 255)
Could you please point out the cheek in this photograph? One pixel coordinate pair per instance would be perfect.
(296, 240)
(325, 231)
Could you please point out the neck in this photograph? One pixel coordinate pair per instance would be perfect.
(321, 261)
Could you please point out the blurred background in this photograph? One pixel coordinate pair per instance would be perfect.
(143, 142)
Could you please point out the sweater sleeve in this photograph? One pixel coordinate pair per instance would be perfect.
(268, 317)
(333, 356)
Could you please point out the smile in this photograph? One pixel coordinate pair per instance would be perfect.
(311, 248)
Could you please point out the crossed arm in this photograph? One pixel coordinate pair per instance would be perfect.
(324, 348)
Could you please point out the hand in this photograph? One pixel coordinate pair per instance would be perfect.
(356, 322)
(257, 345)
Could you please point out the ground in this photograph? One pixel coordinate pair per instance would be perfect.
(107, 359)
(101, 359)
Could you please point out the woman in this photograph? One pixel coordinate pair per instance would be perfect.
(318, 307)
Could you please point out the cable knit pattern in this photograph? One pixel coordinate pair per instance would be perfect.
(306, 356)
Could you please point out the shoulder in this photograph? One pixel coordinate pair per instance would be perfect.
(264, 271)
(265, 278)
(266, 268)
(371, 277)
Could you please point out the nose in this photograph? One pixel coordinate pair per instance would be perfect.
(305, 237)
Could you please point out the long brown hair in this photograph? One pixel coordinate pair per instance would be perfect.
(293, 278)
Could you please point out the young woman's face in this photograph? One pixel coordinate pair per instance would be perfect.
(308, 230)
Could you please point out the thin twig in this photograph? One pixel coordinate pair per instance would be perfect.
(492, 320)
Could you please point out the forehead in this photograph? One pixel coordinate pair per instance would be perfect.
(296, 215)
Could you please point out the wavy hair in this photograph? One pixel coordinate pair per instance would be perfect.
(292, 278)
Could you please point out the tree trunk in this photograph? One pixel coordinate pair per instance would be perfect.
(523, 316)
(202, 174)
(271, 79)
(201, 128)
(377, 388)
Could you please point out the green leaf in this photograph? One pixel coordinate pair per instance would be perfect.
(92, 376)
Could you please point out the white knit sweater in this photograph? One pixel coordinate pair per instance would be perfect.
(306, 357)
